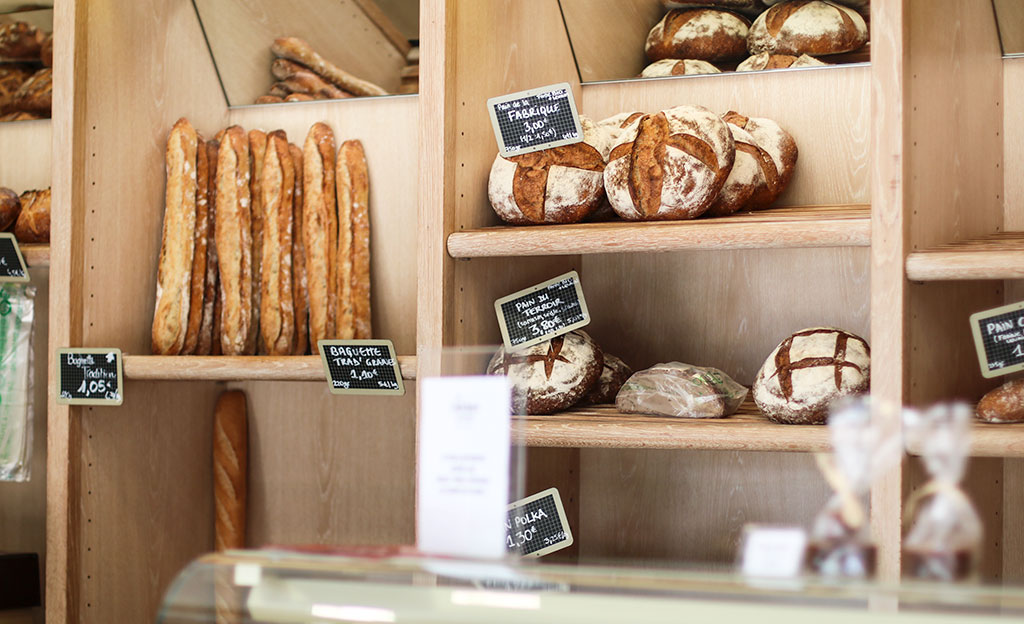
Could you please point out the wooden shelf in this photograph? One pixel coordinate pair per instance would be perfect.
(604, 427)
(802, 226)
(999, 256)
(36, 255)
(236, 368)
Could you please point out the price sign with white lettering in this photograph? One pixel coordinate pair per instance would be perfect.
(534, 120)
(89, 377)
(542, 312)
(537, 526)
(12, 263)
(999, 339)
(361, 367)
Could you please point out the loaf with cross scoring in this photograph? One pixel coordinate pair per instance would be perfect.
(813, 27)
(705, 34)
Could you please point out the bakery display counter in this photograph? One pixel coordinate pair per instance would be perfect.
(605, 427)
(997, 256)
(236, 368)
(278, 586)
(791, 227)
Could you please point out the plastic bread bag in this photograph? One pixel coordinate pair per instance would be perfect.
(16, 313)
(865, 444)
(682, 391)
(943, 530)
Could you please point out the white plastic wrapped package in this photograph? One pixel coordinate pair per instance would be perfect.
(16, 312)
(682, 391)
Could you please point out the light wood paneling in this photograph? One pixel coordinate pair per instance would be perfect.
(328, 469)
(240, 33)
(31, 141)
(1013, 142)
(1013, 508)
(1011, 25)
(608, 35)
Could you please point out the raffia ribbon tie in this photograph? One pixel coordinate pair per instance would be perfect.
(852, 512)
(935, 486)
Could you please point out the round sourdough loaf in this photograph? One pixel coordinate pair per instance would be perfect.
(10, 207)
(809, 371)
(773, 141)
(747, 175)
(1005, 404)
(669, 165)
(557, 185)
(614, 373)
(750, 8)
(706, 34)
(811, 27)
(672, 67)
(767, 60)
(553, 375)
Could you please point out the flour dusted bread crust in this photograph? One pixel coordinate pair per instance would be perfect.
(557, 185)
(257, 152)
(295, 49)
(746, 178)
(36, 93)
(750, 8)
(705, 34)
(669, 165)
(200, 247)
(773, 141)
(320, 232)
(277, 185)
(174, 276)
(300, 296)
(234, 240)
(11, 78)
(550, 376)
(808, 372)
(614, 373)
(10, 207)
(20, 40)
(353, 182)
(302, 80)
(812, 27)
(207, 327)
(33, 224)
(230, 467)
(1005, 404)
(767, 60)
(672, 67)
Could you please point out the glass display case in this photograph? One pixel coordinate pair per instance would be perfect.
(400, 585)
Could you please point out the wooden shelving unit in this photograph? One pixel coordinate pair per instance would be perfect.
(792, 227)
(995, 257)
(236, 368)
(36, 255)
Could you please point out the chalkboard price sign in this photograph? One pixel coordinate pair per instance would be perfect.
(537, 526)
(12, 263)
(89, 377)
(530, 121)
(542, 312)
(361, 367)
(999, 339)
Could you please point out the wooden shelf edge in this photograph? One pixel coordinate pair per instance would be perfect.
(794, 227)
(36, 255)
(236, 368)
(966, 264)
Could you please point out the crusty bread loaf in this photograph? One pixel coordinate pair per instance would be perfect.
(319, 233)
(257, 152)
(12, 76)
(46, 53)
(673, 67)
(779, 146)
(207, 333)
(174, 276)
(345, 327)
(300, 295)
(33, 224)
(234, 240)
(20, 40)
(36, 93)
(767, 60)
(21, 116)
(354, 201)
(302, 80)
(277, 317)
(746, 177)
(279, 89)
(230, 465)
(1005, 404)
(812, 27)
(295, 49)
(199, 253)
(269, 99)
(10, 207)
(705, 34)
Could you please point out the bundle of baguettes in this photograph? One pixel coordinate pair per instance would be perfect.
(302, 74)
(266, 246)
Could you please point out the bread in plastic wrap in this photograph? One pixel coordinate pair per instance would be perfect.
(682, 391)
(16, 313)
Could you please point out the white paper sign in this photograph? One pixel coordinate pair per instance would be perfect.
(773, 552)
(464, 439)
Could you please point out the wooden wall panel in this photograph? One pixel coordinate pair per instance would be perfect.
(608, 36)
(241, 32)
(30, 140)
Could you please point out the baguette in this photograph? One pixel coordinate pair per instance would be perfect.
(300, 294)
(279, 89)
(257, 151)
(198, 287)
(174, 276)
(360, 175)
(277, 311)
(319, 234)
(298, 97)
(295, 49)
(269, 99)
(234, 240)
(302, 80)
(345, 329)
(230, 464)
(207, 333)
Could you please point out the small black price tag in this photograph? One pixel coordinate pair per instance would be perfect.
(12, 263)
(999, 339)
(542, 312)
(89, 377)
(530, 121)
(361, 367)
(537, 526)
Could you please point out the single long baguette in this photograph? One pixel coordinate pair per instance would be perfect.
(234, 240)
(352, 157)
(277, 312)
(301, 79)
(295, 49)
(208, 329)
(230, 464)
(257, 151)
(320, 224)
(174, 276)
(300, 293)
(199, 253)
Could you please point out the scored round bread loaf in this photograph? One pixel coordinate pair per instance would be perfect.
(20, 40)
(705, 34)
(767, 60)
(808, 372)
(750, 8)
(813, 27)
(10, 206)
(746, 178)
(672, 67)
(1005, 404)
(777, 170)
(550, 376)
(614, 373)
(556, 185)
(669, 165)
